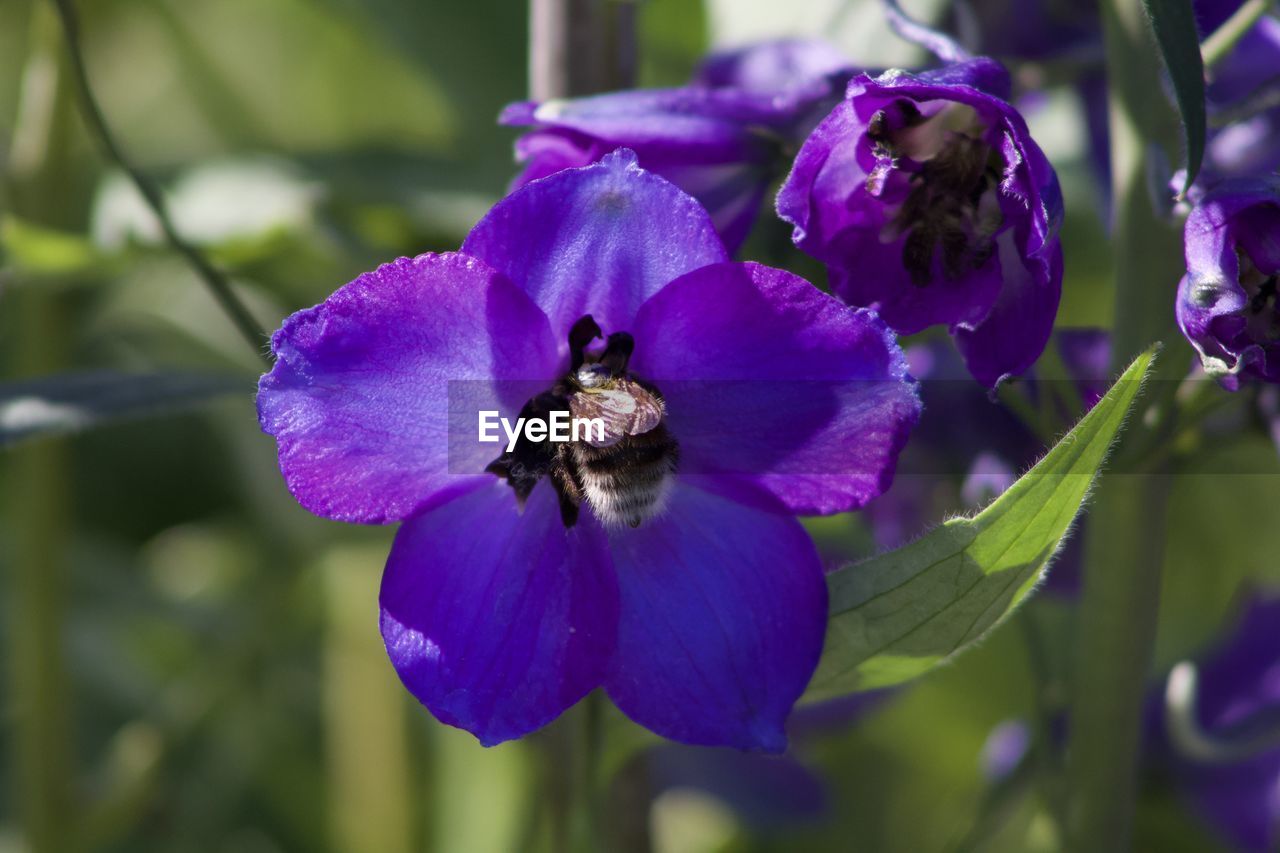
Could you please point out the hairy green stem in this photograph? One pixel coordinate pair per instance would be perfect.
(1124, 545)
(1223, 40)
(217, 283)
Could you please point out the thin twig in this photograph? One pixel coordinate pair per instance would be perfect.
(217, 283)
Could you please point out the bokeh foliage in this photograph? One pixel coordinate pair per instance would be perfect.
(225, 686)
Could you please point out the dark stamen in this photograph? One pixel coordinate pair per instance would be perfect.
(1266, 291)
(617, 353)
(525, 463)
(584, 331)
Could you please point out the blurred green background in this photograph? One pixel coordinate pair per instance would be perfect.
(192, 662)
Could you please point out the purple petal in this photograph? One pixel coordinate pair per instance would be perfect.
(498, 621)
(598, 240)
(1012, 336)
(712, 125)
(1232, 328)
(720, 146)
(773, 382)
(723, 612)
(358, 398)
(546, 152)
(774, 66)
(1239, 686)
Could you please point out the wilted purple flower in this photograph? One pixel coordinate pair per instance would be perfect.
(722, 144)
(1227, 304)
(1221, 748)
(506, 599)
(927, 199)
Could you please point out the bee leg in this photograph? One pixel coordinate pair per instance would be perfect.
(569, 493)
(617, 353)
(584, 331)
(527, 462)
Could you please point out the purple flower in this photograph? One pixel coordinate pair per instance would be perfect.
(1237, 98)
(722, 144)
(927, 199)
(1228, 765)
(781, 66)
(1252, 62)
(1031, 29)
(765, 791)
(507, 598)
(1227, 300)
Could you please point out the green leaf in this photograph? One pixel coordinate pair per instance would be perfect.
(35, 249)
(71, 402)
(897, 615)
(1174, 25)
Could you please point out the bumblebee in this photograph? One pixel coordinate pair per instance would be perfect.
(624, 473)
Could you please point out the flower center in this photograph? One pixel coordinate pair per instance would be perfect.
(1264, 309)
(950, 216)
(622, 463)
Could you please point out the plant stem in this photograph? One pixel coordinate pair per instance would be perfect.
(586, 783)
(1219, 44)
(580, 47)
(1124, 546)
(217, 283)
(36, 477)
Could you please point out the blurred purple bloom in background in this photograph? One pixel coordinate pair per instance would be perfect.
(763, 791)
(723, 139)
(1243, 96)
(927, 199)
(1228, 766)
(785, 66)
(703, 623)
(1227, 304)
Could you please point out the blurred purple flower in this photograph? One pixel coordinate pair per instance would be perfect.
(1252, 63)
(1228, 767)
(703, 623)
(927, 199)
(1247, 144)
(1004, 750)
(1227, 306)
(723, 139)
(1031, 29)
(764, 791)
(778, 67)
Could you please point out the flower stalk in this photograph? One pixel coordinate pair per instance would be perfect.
(580, 47)
(216, 282)
(1219, 44)
(36, 477)
(1124, 549)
